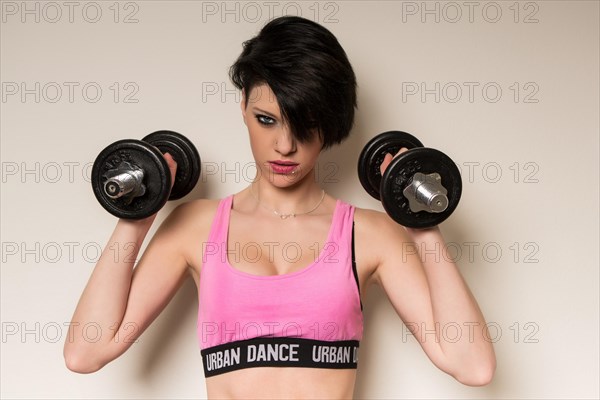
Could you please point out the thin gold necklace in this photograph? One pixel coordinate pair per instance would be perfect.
(285, 216)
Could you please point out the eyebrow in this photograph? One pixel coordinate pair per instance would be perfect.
(266, 112)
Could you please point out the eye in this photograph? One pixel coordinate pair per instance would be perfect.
(264, 120)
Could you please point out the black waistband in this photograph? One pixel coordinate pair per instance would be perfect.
(279, 352)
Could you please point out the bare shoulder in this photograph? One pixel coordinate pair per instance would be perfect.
(378, 226)
(376, 237)
(186, 218)
(190, 224)
(194, 214)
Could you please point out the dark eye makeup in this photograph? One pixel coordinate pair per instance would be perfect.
(264, 119)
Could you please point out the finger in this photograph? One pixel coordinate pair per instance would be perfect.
(402, 150)
(386, 161)
(172, 166)
(170, 160)
(169, 157)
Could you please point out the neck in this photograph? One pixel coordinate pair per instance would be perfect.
(298, 198)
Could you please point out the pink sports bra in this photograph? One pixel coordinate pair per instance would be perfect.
(307, 318)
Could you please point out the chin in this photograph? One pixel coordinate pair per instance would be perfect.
(284, 180)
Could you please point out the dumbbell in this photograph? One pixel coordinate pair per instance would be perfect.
(131, 179)
(419, 189)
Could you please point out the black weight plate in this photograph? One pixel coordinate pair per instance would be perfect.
(373, 154)
(156, 179)
(399, 174)
(184, 153)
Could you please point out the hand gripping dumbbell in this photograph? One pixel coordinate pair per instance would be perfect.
(419, 189)
(131, 179)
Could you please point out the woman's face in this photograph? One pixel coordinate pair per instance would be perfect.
(279, 156)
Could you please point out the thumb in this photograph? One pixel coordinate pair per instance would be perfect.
(172, 167)
(386, 161)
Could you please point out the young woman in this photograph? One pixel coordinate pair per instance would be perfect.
(283, 317)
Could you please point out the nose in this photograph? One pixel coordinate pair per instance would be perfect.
(285, 142)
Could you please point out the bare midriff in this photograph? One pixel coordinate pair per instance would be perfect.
(282, 383)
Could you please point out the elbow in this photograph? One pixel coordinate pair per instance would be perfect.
(80, 363)
(479, 375)
(88, 359)
(80, 366)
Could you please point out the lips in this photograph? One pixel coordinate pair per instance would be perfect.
(283, 167)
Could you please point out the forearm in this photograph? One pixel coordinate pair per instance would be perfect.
(459, 323)
(104, 300)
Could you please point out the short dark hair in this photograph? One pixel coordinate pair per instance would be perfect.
(308, 71)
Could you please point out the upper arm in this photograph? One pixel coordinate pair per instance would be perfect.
(398, 270)
(158, 275)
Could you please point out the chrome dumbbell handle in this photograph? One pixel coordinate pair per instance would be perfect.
(124, 180)
(426, 193)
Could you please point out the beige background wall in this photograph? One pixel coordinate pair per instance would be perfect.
(508, 89)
